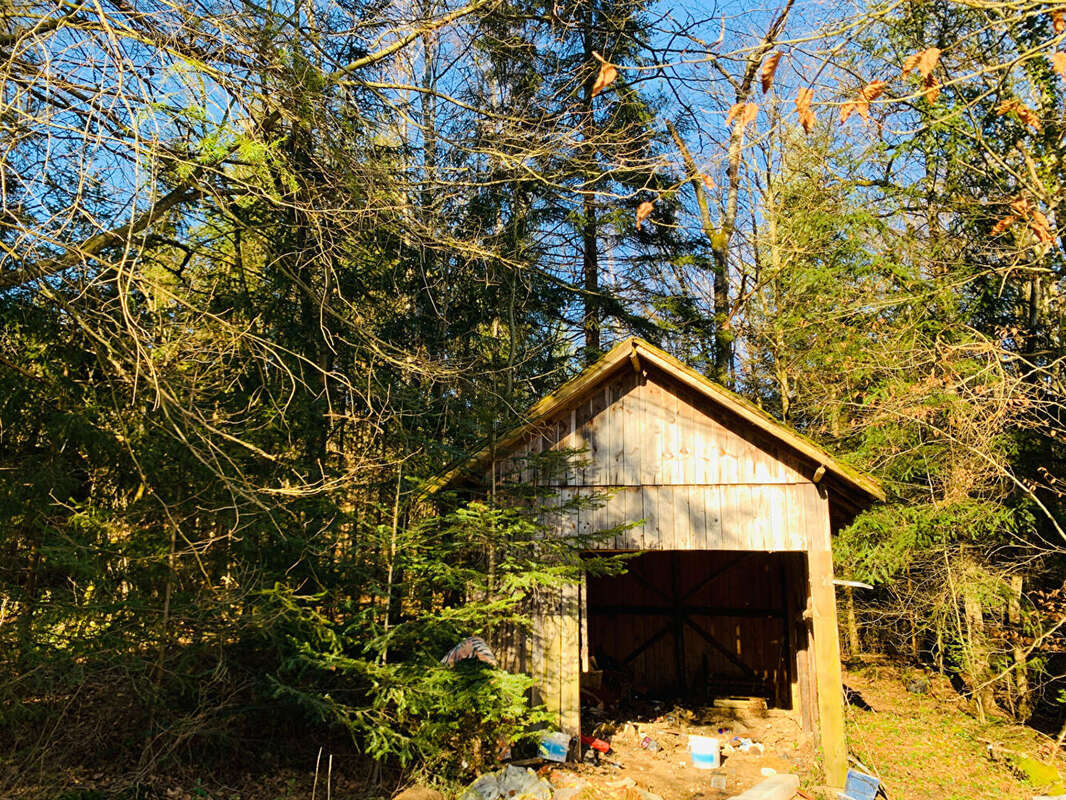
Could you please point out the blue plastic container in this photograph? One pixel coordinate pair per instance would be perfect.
(861, 786)
(554, 746)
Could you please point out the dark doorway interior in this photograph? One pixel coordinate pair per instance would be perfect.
(695, 625)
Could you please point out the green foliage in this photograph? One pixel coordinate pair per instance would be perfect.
(883, 542)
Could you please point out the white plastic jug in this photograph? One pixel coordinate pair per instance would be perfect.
(706, 752)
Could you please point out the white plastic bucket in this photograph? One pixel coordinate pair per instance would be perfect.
(706, 752)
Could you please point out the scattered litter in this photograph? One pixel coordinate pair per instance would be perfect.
(705, 752)
(766, 772)
(647, 743)
(509, 783)
(860, 786)
(554, 746)
(747, 745)
(718, 782)
(596, 744)
(470, 647)
(567, 785)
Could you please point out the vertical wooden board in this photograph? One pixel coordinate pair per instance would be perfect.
(827, 664)
(621, 541)
(712, 517)
(650, 498)
(583, 631)
(635, 509)
(643, 436)
(568, 443)
(754, 517)
(581, 421)
(570, 661)
(686, 424)
(682, 534)
(568, 519)
(595, 432)
(693, 517)
(633, 431)
(666, 517)
(673, 422)
(697, 435)
(617, 515)
(655, 422)
(617, 467)
(729, 540)
(729, 468)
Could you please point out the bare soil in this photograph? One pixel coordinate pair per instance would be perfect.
(669, 773)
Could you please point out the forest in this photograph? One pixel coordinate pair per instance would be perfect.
(270, 267)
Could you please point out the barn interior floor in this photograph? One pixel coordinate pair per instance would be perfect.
(668, 771)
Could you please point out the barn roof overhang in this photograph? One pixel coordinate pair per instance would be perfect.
(850, 489)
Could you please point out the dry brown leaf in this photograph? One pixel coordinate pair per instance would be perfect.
(845, 111)
(734, 112)
(927, 61)
(643, 212)
(872, 90)
(608, 74)
(932, 89)
(708, 181)
(751, 111)
(769, 67)
(1058, 61)
(1058, 21)
(1002, 225)
(803, 108)
(909, 64)
(1021, 206)
(1025, 114)
(1041, 227)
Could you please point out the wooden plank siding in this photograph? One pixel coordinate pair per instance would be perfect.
(655, 432)
(699, 486)
(664, 457)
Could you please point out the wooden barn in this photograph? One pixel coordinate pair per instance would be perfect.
(733, 590)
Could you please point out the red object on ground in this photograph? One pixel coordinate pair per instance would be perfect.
(595, 744)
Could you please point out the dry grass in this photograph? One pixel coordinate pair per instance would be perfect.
(927, 746)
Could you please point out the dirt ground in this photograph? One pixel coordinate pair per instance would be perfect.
(668, 771)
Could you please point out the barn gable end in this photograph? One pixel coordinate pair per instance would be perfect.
(711, 486)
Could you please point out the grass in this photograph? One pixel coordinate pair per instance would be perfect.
(928, 747)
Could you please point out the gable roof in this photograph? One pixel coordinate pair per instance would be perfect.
(634, 351)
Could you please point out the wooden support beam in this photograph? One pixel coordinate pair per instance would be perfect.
(730, 656)
(826, 648)
(716, 573)
(704, 611)
(651, 641)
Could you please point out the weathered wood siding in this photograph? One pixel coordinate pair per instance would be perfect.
(661, 455)
(694, 476)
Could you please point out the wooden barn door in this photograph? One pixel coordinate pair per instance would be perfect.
(696, 624)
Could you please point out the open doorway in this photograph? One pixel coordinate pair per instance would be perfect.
(697, 625)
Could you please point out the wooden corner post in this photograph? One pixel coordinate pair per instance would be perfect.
(826, 650)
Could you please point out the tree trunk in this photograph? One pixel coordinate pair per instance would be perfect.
(1023, 700)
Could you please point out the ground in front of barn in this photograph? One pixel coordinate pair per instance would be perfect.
(755, 743)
